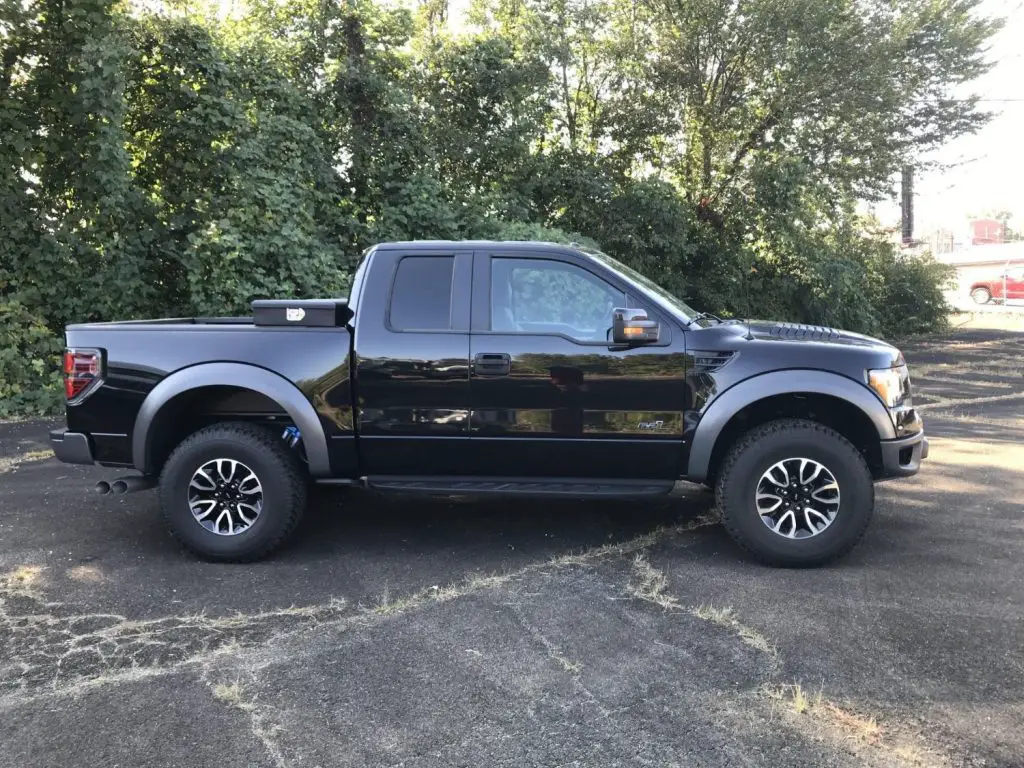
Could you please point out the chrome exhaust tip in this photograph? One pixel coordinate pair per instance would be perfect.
(132, 484)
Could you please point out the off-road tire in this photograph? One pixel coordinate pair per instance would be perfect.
(981, 295)
(280, 472)
(763, 446)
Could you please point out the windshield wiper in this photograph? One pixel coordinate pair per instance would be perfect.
(701, 316)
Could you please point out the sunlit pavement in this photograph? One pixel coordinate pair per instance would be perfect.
(448, 632)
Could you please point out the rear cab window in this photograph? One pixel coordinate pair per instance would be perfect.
(421, 294)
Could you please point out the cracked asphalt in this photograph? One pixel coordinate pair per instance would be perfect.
(448, 632)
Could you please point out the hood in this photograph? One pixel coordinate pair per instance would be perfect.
(771, 345)
(768, 330)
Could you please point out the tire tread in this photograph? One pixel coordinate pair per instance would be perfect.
(264, 440)
(750, 439)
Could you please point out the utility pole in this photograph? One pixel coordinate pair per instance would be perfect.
(907, 204)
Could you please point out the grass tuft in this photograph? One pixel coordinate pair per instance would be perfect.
(24, 580)
(726, 617)
(827, 713)
(7, 464)
(864, 728)
(232, 694)
(651, 585)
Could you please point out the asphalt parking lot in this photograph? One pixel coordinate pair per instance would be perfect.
(404, 632)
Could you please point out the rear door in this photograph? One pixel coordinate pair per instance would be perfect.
(551, 397)
(412, 362)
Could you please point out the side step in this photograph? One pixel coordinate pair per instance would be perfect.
(505, 486)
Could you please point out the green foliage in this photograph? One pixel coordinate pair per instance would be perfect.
(520, 231)
(910, 299)
(263, 234)
(178, 162)
(30, 381)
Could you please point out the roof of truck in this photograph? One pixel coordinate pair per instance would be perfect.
(435, 244)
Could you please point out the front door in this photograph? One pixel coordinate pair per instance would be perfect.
(550, 396)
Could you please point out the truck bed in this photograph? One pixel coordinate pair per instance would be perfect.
(140, 354)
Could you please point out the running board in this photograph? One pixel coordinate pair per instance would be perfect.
(577, 487)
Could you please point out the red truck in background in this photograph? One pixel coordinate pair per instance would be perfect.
(1008, 286)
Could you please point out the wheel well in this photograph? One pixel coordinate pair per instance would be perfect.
(833, 412)
(190, 411)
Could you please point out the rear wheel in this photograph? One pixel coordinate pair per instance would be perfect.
(795, 493)
(981, 295)
(233, 492)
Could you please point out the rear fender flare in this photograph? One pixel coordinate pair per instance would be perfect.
(749, 391)
(276, 387)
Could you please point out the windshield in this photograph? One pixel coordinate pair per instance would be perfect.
(671, 304)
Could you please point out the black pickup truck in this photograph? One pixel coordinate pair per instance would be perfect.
(492, 368)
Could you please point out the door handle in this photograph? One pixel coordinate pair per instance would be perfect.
(492, 364)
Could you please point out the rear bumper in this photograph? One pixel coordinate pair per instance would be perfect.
(902, 457)
(71, 447)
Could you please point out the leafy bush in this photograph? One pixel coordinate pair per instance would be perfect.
(522, 231)
(910, 297)
(30, 381)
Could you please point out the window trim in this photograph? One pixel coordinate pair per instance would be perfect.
(459, 299)
(482, 298)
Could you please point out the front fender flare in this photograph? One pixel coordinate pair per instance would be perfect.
(276, 387)
(749, 391)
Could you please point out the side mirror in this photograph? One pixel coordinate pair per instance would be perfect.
(631, 326)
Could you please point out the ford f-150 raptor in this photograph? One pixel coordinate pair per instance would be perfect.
(492, 368)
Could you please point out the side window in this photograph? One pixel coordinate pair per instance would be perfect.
(421, 298)
(539, 296)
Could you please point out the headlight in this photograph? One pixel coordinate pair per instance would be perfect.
(891, 384)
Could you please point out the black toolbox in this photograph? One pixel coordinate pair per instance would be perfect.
(312, 313)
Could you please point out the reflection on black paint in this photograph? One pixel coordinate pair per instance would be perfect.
(562, 399)
(567, 420)
(704, 388)
(331, 396)
(592, 394)
(414, 396)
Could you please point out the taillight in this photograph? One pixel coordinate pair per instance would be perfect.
(82, 369)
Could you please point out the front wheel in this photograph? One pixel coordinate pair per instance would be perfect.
(232, 492)
(981, 295)
(795, 493)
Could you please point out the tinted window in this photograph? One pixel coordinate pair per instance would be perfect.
(422, 296)
(539, 296)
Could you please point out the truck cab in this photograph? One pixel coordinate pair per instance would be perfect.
(494, 367)
(488, 361)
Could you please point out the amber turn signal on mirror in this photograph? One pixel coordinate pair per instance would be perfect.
(632, 326)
